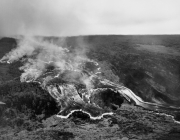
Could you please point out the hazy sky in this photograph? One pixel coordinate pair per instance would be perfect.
(79, 17)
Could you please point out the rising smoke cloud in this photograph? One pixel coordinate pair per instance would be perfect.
(36, 54)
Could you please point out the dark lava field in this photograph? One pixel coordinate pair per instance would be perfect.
(149, 65)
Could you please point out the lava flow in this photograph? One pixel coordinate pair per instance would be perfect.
(70, 79)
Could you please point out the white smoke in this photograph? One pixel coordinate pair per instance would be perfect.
(37, 53)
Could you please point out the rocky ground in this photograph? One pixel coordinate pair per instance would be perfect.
(129, 123)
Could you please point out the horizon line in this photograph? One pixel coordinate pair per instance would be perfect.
(89, 35)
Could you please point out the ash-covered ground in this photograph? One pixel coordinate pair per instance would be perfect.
(91, 87)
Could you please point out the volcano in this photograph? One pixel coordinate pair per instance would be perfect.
(76, 85)
(57, 85)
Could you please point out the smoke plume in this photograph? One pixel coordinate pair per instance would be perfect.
(37, 54)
